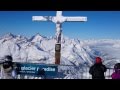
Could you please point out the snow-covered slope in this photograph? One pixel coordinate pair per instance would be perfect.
(79, 53)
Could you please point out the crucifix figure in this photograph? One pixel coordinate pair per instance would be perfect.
(58, 20)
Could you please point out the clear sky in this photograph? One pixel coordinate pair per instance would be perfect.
(100, 24)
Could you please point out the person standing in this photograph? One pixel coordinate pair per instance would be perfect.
(97, 70)
(7, 68)
(116, 74)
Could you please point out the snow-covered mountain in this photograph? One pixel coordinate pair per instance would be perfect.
(79, 53)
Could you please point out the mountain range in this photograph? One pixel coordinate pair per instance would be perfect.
(80, 54)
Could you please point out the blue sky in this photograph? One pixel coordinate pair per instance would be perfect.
(100, 24)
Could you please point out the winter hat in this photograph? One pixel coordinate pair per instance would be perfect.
(8, 58)
(8, 62)
(117, 66)
(98, 60)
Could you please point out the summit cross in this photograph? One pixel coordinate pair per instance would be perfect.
(58, 20)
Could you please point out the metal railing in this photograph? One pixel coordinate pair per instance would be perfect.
(82, 75)
(70, 72)
(109, 73)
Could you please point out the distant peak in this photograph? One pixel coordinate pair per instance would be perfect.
(21, 37)
(39, 35)
(7, 35)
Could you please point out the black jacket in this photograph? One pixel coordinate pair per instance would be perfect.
(97, 71)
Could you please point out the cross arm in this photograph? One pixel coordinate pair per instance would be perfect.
(42, 18)
(59, 13)
(75, 19)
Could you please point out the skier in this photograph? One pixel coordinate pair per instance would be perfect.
(8, 70)
(98, 69)
(116, 74)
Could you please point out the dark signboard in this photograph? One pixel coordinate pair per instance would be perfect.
(36, 69)
(57, 47)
